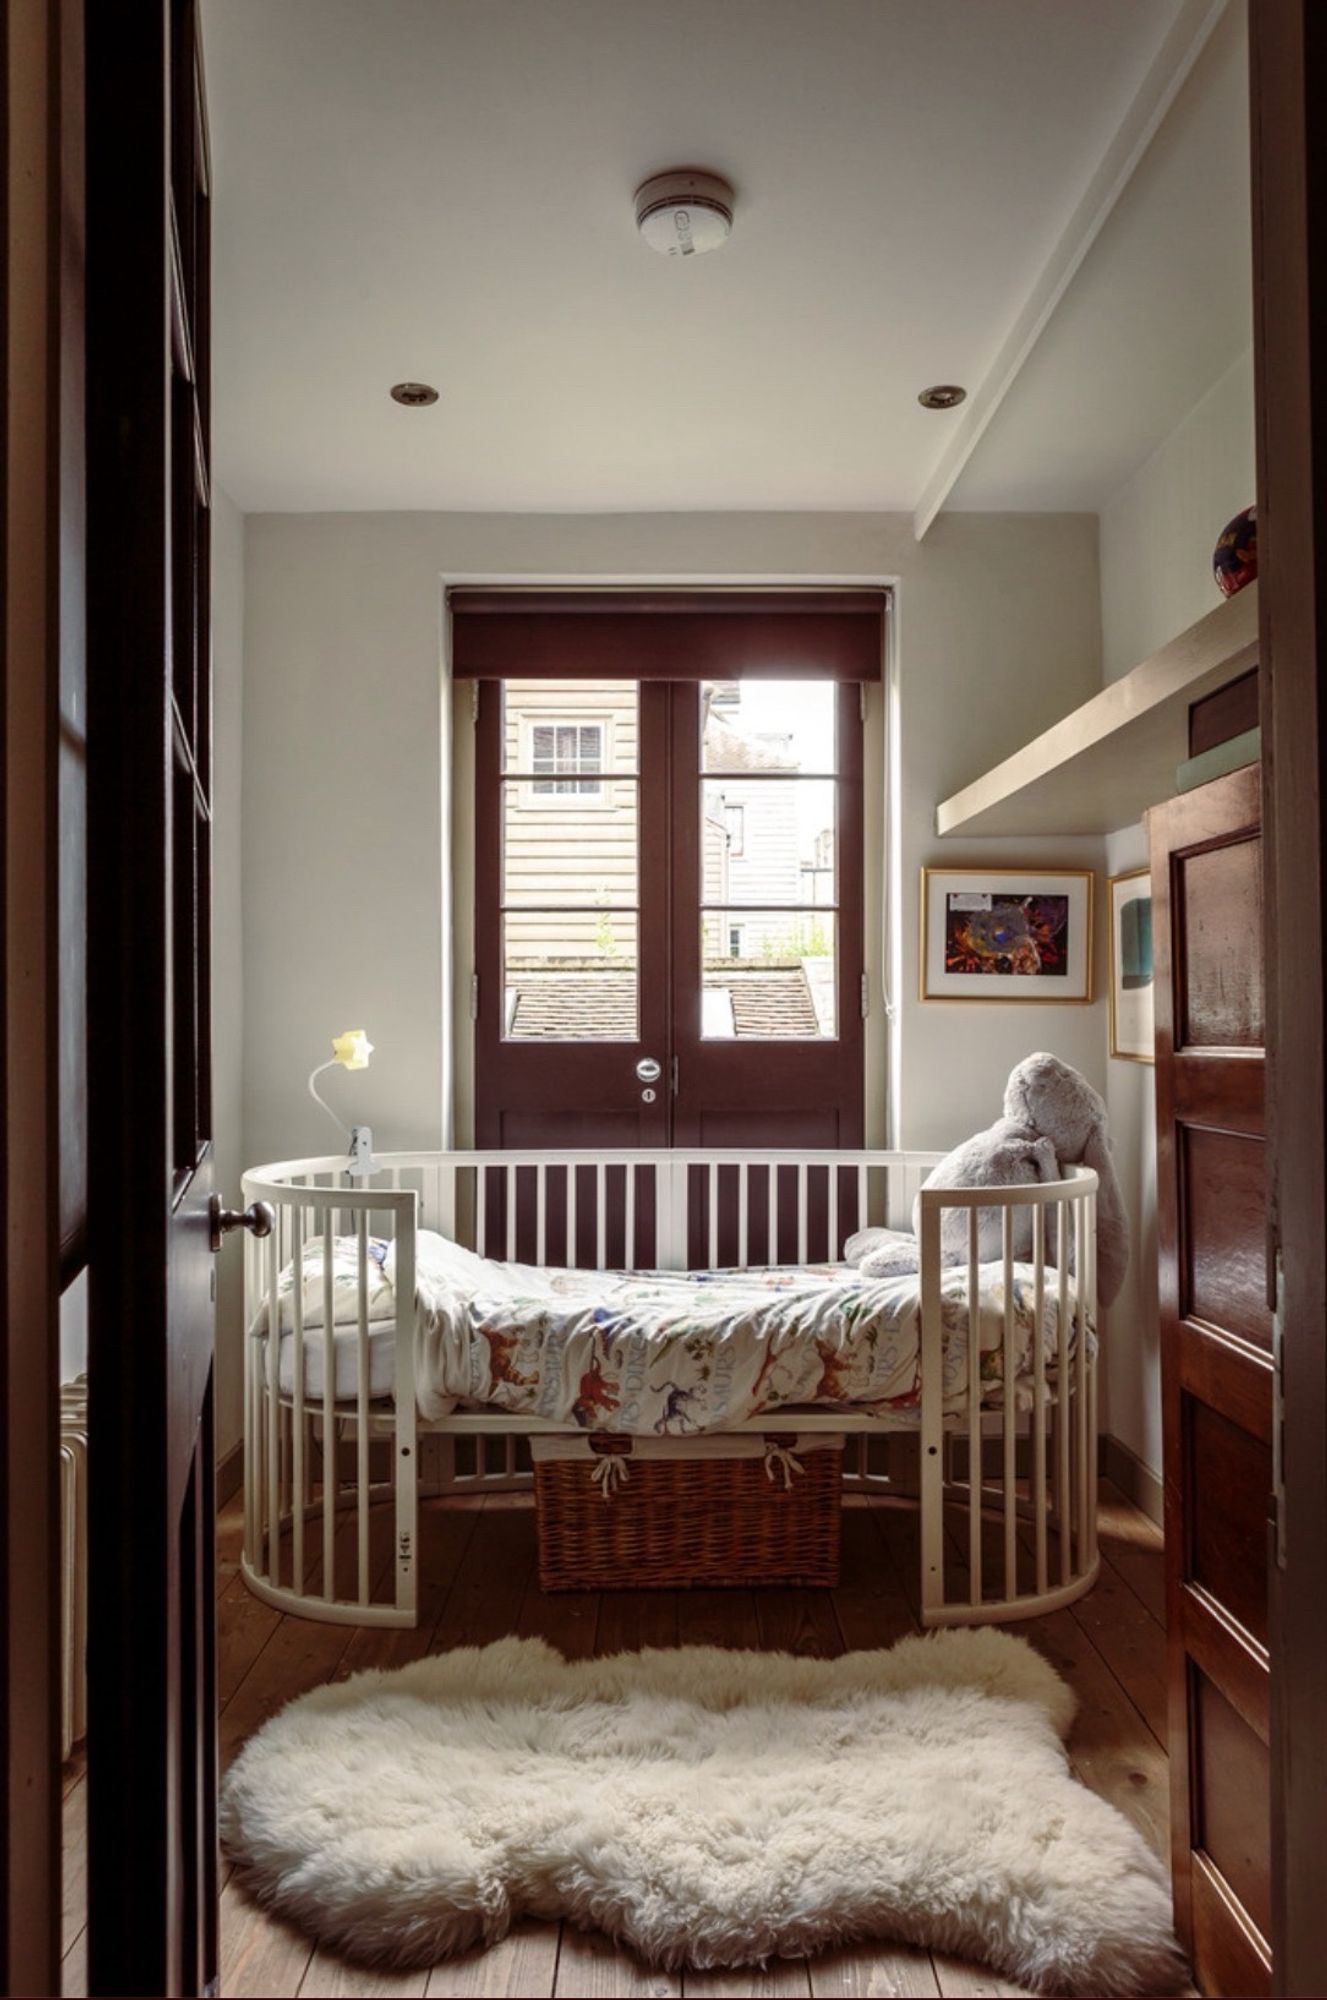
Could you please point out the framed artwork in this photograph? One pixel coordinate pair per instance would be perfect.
(1007, 934)
(1129, 901)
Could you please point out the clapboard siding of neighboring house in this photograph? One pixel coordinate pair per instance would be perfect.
(570, 837)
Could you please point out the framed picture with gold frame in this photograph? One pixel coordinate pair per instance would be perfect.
(1129, 908)
(1007, 934)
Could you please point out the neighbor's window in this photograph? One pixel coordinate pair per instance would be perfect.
(566, 751)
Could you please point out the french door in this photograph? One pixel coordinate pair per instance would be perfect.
(669, 913)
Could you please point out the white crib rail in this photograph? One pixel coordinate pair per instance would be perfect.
(319, 1464)
(1062, 1414)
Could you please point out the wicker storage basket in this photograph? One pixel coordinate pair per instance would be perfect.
(681, 1513)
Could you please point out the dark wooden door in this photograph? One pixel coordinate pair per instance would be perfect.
(1216, 1332)
(151, 1730)
(668, 875)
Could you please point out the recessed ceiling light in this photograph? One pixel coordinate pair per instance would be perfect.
(944, 396)
(684, 212)
(414, 394)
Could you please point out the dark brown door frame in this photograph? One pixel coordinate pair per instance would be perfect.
(1288, 91)
(152, 1862)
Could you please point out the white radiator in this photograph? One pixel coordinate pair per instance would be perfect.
(73, 1560)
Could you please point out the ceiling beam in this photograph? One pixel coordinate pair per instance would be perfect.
(1179, 51)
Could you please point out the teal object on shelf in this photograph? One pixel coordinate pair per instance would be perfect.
(1222, 757)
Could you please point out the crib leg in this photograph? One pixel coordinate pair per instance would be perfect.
(932, 1420)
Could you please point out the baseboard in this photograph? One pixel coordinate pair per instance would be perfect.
(230, 1473)
(1135, 1480)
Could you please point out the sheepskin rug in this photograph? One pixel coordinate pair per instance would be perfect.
(706, 1808)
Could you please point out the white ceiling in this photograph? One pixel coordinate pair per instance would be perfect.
(441, 189)
(1160, 310)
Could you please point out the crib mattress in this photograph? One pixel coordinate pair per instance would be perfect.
(677, 1353)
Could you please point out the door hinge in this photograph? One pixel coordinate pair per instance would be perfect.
(474, 996)
(474, 702)
(861, 699)
(1278, 1416)
(866, 995)
(673, 1070)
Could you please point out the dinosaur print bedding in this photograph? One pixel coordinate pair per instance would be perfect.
(671, 1354)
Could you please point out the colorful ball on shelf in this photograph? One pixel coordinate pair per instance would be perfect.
(1235, 557)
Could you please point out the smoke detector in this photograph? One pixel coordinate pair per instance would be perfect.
(684, 213)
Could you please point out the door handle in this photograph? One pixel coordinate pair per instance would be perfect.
(259, 1218)
(648, 1070)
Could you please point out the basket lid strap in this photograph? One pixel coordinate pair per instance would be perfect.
(608, 1473)
(784, 1458)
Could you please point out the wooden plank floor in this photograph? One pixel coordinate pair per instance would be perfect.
(477, 1566)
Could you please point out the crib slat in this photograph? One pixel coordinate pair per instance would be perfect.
(601, 1215)
(832, 1223)
(975, 1584)
(251, 1285)
(861, 1198)
(447, 1192)
(1064, 1499)
(511, 1214)
(1081, 1275)
(1039, 1497)
(362, 1403)
(273, 1404)
(772, 1215)
(540, 1213)
(743, 1215)
(329, 1418)
(1090, 1320)
(629, 1213)
(1009, 1403)
(481, 1211)
(297, 1413)
(712, 1207)
(571, 1218)
(803, 1212)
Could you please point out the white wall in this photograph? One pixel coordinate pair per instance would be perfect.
(1159, 530)
(346, 887)
(1157, 537)
(227, 946)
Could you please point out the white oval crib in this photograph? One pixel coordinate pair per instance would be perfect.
(1006, 1487)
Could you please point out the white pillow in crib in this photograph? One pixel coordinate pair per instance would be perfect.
(345, 1285)
(864, 1241)
(440, 1261)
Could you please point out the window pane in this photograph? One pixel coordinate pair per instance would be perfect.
(768, 840)
(568, 728)
(768, 725)
(570, 846)
(769, 975)
(570, 978)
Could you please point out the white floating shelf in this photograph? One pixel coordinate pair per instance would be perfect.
(1107, 762)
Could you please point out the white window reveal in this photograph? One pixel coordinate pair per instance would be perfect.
(566, 751)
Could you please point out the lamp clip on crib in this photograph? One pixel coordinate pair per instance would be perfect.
(407, 1334)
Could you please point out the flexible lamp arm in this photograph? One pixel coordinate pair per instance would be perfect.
(318, 1097)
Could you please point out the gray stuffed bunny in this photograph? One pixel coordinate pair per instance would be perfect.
(1052, 1119)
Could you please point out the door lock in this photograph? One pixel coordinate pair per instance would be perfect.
(648, 1070)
